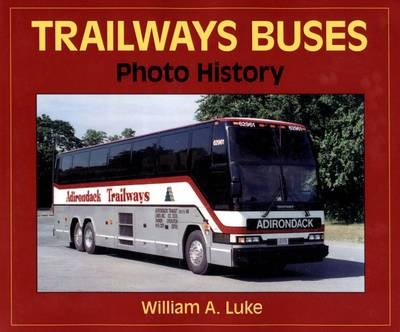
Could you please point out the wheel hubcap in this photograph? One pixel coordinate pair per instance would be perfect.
(88, 238)
(78, 236)
(196, 252)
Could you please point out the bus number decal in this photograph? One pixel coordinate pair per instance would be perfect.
(296, 128)
(218, 142)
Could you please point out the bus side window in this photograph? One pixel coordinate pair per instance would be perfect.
(143, 157)
(119, 160)
(173, 153)
(219, 145)
(98, 164)
(80, 164)
(57, 166)
(200, 157)
(219, 177)
(64, 168)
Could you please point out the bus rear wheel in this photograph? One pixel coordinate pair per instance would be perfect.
(89, 239)
(78, 237)
(196, 254)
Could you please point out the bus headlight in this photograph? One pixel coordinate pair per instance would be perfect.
(248, 239)
(316, 237)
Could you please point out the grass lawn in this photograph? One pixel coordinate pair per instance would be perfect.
(343, 232)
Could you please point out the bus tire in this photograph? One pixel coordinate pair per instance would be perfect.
(196, 253)
(89, 239)
(78, 237)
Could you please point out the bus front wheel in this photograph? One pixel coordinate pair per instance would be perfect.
(89, 238)
(78, 237)
(196, 254)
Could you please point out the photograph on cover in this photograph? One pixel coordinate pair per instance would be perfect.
(210, 193)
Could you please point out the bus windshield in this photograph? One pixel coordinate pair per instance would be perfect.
(275, 164)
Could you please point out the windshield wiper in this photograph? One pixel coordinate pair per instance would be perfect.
(273, 200)
(282, 189)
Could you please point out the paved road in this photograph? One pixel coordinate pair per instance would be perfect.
(61, 269)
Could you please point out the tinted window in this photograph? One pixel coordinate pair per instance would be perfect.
(200, 155)
(219, 188)
(173, 152)
(66, 163)
(80, 163)
(219, 144)
(254, 144)
(120, 155)
(275, 165)
(296, 147)
(201, 146)
(98, 158)
(119, 160)
(98, 164)
(64, 166)
(270, 145)
(143, 157)
(80, 160)
(57, 170)
(219, 177)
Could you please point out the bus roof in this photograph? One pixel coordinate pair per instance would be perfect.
(234, 120)
(259, 120)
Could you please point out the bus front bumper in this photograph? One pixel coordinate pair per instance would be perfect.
(286, 255)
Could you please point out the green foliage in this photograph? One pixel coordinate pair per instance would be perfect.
(113, 138)
(128, 132)
(52, 136)
(93, 137)
(336, 124)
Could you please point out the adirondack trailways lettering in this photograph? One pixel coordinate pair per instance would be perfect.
(205, 72)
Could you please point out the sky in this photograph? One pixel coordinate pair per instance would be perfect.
(114, 113)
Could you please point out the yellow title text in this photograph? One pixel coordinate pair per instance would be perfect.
(142, 36)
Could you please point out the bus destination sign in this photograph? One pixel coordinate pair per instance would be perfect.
(283, 223)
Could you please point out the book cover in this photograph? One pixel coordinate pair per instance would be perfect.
(152, 66)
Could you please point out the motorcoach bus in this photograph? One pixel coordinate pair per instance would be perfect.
(230, 192)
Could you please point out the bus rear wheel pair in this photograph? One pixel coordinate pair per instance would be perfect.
(84, 239)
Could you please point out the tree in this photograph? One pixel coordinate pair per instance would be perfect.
(128, 133)
(93, 137)
(341, 156)
(113, 138)
(336, 124)
(52, 136)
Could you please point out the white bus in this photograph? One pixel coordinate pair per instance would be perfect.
(230, 192)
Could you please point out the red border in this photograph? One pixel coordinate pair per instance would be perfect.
(391, 321)
(234, 324)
